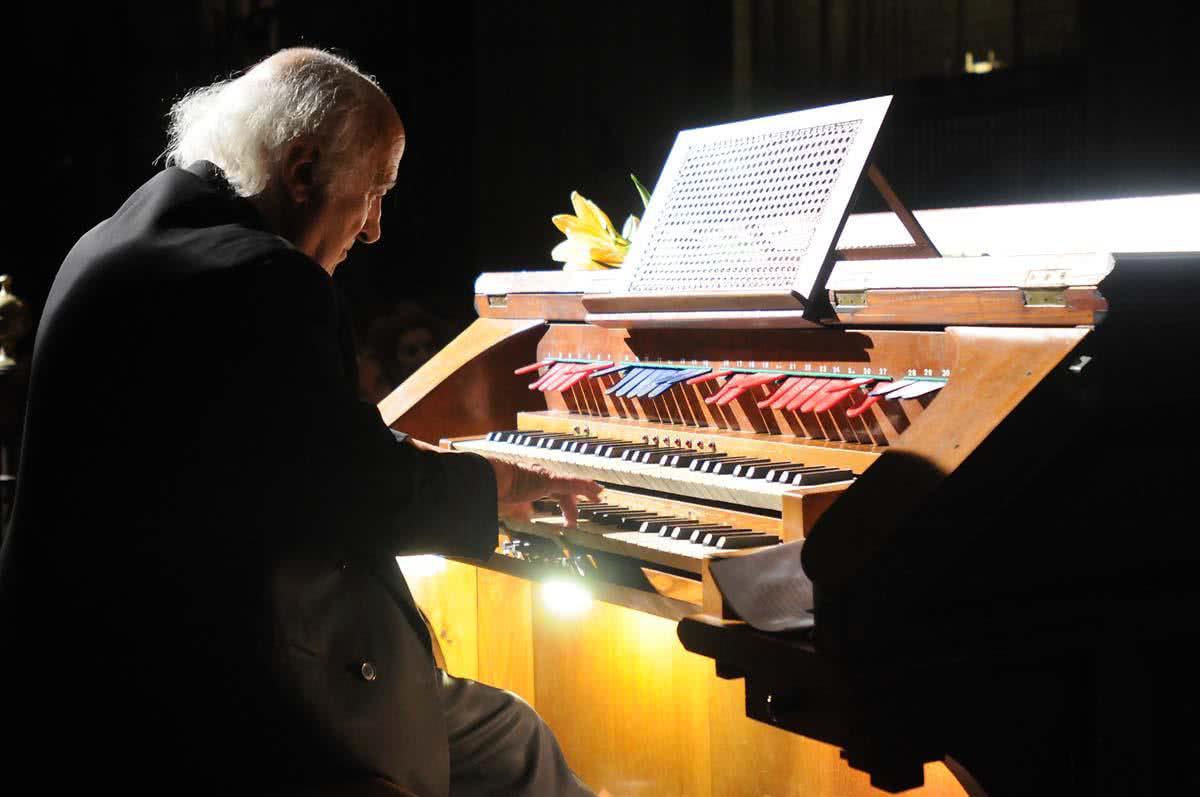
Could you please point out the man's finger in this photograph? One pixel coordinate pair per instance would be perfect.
(570, 512)
(585, 487)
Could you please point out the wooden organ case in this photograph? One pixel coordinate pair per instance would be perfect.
(966, 453)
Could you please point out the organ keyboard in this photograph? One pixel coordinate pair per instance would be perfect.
(941, 434)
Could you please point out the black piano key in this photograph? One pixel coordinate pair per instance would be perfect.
(747, 541)
(655, 526)
(823, 476)
(615, 451)
(761, 471)
(600, 448)
(702, 462)
(587, 514)
(591, 446)
(663, 528)
(757, 470)
(571, 443)
(627, 523)
(778, 474)
(635, 523)
(730, 468)
(685, 534)
(551, 440)
(685, 460)
(613, 515)
(671, 531)
(528, 438)
(656, 456)
(711, 537)
(590, 511)
(712, 465)
(787, 476)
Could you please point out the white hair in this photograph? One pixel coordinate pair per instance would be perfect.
(242, 125)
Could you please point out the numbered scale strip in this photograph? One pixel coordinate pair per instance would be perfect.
(709, 476)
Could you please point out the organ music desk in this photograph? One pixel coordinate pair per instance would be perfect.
(977, 458)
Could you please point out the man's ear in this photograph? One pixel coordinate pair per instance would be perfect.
(299, 169)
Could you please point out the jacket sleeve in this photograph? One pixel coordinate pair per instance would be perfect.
(335, 474)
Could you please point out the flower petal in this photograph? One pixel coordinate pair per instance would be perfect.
(571, 250)
(589, 213)
(573, 224)
(581, 209)
(600, 215)
(608, 255)
(631, 226)
(564, 221)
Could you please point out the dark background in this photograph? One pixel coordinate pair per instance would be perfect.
(511, 106)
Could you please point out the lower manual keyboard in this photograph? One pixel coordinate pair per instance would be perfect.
(676, 542)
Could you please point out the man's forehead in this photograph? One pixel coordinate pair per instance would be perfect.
(390, 163)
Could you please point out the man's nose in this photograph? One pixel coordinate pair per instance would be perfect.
(370, 231)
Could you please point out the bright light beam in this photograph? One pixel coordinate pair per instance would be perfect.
(566, 599)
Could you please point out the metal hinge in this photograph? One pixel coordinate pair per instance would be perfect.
(849, 298)
(498, 300)
(1045, 297)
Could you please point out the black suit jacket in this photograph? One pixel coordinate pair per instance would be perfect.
(199, 576)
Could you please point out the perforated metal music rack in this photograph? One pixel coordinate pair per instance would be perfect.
(742, 223)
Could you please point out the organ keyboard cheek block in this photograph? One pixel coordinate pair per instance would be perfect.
(929, 427)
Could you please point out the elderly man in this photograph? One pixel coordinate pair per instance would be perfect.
(199, 586)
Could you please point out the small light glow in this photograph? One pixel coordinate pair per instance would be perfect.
(422, 566)
(973, 67)
(565, 598)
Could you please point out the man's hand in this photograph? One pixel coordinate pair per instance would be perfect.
(518, 486)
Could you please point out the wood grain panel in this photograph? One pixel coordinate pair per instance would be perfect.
(506, 633)
(550, 306)
(629, 705)
(467, 387)
(448, 599)
(988, 306)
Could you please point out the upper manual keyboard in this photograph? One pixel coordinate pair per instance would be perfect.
(712, 476)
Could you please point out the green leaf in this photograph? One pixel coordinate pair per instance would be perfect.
(641, 190)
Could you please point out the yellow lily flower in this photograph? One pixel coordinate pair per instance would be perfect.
(591, 243)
